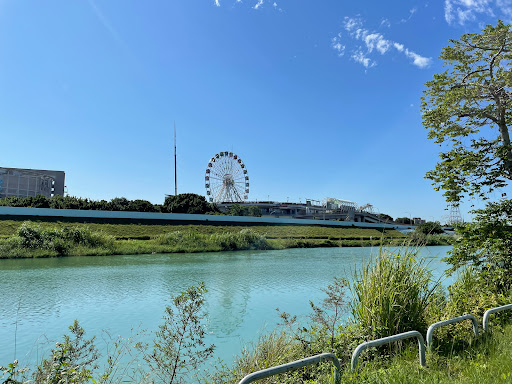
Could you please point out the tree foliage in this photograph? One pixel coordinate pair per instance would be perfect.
(179, 346)
(486, 244)
(188, 203)
(239, 210)
(430, 228)
(385, 217)
(467, 111)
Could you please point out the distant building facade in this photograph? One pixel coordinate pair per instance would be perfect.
(418, 220)
(30, 182)
(334, 209)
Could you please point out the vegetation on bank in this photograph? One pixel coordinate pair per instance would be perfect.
(51, 239)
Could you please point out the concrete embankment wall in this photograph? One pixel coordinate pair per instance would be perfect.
(18, 213)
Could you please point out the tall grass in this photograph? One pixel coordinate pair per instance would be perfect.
(392, 293)
(32, 240)
(230, 241)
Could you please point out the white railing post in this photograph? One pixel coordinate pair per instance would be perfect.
(293, 366)
(386, 340)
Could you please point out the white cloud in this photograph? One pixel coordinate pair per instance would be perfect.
(351, 23)
(385, 23)
(259, 4)
(419, 61)
(412, 11)
(448, 11)
(462, 11)
(217, 3)
(506, 7)
(337, 46)
(374, 41)
(359, 57)
(399, 47)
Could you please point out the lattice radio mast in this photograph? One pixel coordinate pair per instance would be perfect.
(455, 216)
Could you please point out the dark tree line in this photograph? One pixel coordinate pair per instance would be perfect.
(183, 203)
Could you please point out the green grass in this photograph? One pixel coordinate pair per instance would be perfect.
(488, 360)
(150, 238)
(137, 231)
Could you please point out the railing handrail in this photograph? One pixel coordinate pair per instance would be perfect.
(293, 366)
(485, 321)
(385, 340)
(457, 319)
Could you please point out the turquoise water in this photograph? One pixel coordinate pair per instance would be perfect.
(118, 294)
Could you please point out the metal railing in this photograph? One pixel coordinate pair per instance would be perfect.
(374, 343)
(386, 340)
(458, 319)
(294, 365)
(485, 321)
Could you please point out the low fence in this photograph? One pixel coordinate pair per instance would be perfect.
(431, 329)
(386, 340)
(294, 365)
(374, 343)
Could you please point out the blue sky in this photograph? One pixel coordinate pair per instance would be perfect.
(319, 98)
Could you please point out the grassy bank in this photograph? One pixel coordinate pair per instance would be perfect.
(50, 239)
(145, 231)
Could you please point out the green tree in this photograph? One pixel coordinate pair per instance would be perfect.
(467, 111)
(179, 346)
(188, 203)
(385, 217)
(119, 204)
(237, 210)
(141, 206)
(254, 211)
(486, 245)
(429, 228)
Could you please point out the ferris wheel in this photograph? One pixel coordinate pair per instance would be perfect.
(226, 179)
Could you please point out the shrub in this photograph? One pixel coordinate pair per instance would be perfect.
(31, 236)
(392, 293)
(179, 346)
(243, 240)
(72, 361)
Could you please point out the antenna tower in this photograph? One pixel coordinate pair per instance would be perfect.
(455, 216)
(175, 170)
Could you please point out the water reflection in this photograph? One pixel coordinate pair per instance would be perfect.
(118, 293)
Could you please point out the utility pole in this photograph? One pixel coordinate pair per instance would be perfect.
(175, 170)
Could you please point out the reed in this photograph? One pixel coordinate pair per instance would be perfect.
(392, 293)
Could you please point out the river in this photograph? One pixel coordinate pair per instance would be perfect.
(42, 297)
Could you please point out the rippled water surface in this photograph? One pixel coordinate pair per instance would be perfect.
(41, 298)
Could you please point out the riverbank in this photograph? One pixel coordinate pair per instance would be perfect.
(29, 239)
